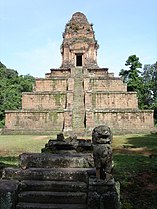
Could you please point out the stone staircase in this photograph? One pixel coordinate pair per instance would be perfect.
(61, 177)
(43, 185)
(78, 101)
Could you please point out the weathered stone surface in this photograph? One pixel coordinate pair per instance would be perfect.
(102, 151)
(47, 160)
(55, 186)
(103, 195)
(59, 174)
(49, 206)
(52, 197)
(8, 194)
(69, 145)
(79, 39)
(109, 200)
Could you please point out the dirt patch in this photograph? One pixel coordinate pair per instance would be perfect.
(41, 137)
(139, 150)
(147, 181)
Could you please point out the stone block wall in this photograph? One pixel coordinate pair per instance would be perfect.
(109, 84)
(99, 72)
(79, 103)
(122, 121)
(34, 121)
(43, 100)
(49, 122)
(42, 85)
(55, 73)
(111, 100)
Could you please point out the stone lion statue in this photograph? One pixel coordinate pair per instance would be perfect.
(102, 151)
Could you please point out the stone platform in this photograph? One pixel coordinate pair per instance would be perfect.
(63, 179)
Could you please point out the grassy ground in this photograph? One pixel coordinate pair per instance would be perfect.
(12, 146)
(135, 159)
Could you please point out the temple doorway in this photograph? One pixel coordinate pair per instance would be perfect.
(78, 60)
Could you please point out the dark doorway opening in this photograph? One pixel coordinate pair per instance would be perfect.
(78, 60)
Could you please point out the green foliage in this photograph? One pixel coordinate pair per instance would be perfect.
(145, 83)
(11, 87)
(150, 88)
(133, 76)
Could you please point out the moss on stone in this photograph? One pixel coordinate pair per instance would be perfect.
(59, 99)
(53, 116)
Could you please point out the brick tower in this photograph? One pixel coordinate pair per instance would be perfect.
(79, 47)
(79, 95)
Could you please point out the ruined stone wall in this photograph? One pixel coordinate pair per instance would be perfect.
(114, 100)
(135, 121)
(100, 72)
(108, 84)
(120, 122)
(51, 107)
(34, 121)
(55, 73)
(111, 100)
(44, 100)
(50, 85)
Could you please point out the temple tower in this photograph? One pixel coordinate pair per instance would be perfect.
(79, 95)
(79, 47)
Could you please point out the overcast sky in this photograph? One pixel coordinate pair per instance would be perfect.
(31, 32)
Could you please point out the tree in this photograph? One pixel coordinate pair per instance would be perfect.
(150, 83)
(11, 87)
(132, 77)
(145, 83)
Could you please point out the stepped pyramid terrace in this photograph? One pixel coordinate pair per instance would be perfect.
(79, 95)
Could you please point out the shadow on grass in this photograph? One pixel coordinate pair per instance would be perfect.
(148, 141)
(140, 144)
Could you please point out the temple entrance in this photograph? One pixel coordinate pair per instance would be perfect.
(78, 60)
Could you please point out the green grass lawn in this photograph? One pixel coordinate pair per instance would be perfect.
(11, 146)
(135, 159)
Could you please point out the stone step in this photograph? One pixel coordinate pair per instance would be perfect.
(52, 197)
(47, 160)
(55, 174)
(49, 206)
(55, 186)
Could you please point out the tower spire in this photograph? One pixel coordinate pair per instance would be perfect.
(79, 47)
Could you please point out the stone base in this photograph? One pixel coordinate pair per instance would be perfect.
(103, 194)
(8, 194)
